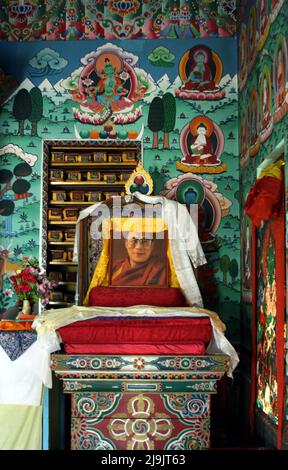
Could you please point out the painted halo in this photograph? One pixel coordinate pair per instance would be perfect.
(204, 198)
(214, 62)
(197, 122)
(113, 58)
(213, 131)
(280, 93)
(252, 37)
(243, 57)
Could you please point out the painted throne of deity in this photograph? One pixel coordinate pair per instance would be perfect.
(243, 57)
(107, 86)
(276, 6)
(264, 22)
(280, 73)
(201, 143)
(200, 70)
(252, 38)
(266, 118)
(254, 141)
(244, 157)
(209, 204)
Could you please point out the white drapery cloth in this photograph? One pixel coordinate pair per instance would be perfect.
(21, 381)
(183, 238)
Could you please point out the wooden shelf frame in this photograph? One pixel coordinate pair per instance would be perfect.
(79, 147)
(105, 165)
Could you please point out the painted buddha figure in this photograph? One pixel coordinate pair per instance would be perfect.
(109, 87)
(200, 70)
(201, 147)
(200, 76)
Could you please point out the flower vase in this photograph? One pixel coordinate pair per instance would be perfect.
(26, 307)
(25, 314)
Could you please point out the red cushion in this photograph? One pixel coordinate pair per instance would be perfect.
(192, 349)
(129, 296)
(168, 330)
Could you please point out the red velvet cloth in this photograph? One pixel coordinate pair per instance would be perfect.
(129, 296)
(264, 199)
(125, 333)
(149, 349)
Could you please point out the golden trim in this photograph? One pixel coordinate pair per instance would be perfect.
(139, 171)
(202, 168)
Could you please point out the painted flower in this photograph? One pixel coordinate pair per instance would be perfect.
(8, 292)
(124, 75)
(21, 12)
(87, 82)
(139, 363)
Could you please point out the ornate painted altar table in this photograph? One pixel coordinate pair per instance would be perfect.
(140, 402)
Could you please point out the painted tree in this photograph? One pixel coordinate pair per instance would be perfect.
(159, 180)
(169, 108)
(156, 119)
(224, 266)
(37, 109)
(22, 108)
(233, 270)
(23, 217)
(6, 205)
(20, 187)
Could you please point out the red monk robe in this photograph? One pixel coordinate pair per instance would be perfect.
(153, 272)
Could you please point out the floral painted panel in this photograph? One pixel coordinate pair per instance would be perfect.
(266, 371)
(111, 19)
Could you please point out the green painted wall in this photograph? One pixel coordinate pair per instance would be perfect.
(262, 125)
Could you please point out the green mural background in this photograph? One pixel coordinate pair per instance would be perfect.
(56, 70)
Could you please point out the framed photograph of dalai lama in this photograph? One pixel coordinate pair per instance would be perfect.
(138, 259)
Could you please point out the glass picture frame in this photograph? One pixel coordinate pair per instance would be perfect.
(138, 259)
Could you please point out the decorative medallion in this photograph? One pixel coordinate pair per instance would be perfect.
(123, 7)
(144, 428)
(140, 180)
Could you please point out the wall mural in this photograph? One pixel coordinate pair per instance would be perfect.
(98, 19)
(264, 86)
(265, 83)
(134, 90)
